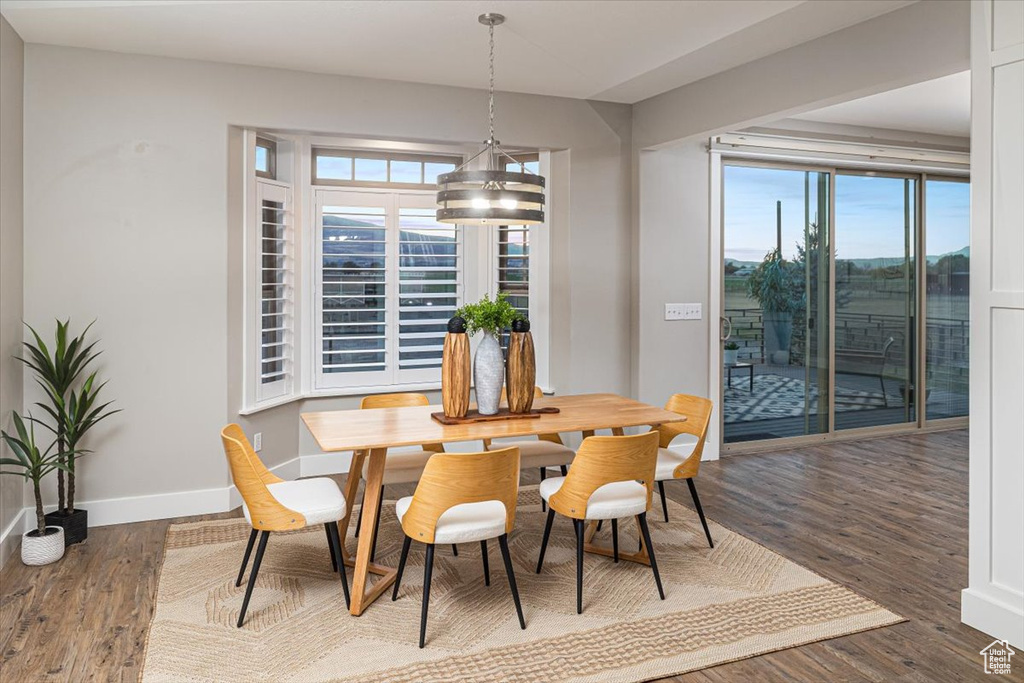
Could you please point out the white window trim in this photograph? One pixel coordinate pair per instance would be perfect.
(478, 271)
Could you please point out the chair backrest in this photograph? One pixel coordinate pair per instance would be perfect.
(604, 460)
(450, 479)
(697, 411)
(400, 400)
(537, 393)
(251, 478)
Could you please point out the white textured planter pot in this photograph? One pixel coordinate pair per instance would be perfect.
(732, 356)
(488, 374)
(39, 550)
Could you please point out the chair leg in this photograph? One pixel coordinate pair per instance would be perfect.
(700, 511)
(579, 524)
(544, 543)
(600, 523)
(359, 517)
(565, 471)
(455, 550)
(376, 525)
(330, 546)
(503, 542)
(252, 576)
(428, 569)
(401, 567)
(487, 570)
(334, 540)
(543, 475)
(650, 552)
(615, 540)
(245, 559)
(664, 505)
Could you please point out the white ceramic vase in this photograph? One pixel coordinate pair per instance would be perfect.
(488, 374)
(40, 550)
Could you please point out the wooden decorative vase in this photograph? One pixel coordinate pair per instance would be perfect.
(521, 368)
(455, 369)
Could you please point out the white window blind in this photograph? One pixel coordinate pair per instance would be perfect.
(275, 274)
(388, 279)
(429, 282)
(513, 267)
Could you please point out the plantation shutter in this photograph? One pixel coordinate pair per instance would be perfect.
(275, 272)
(429, 286)
(353, 280)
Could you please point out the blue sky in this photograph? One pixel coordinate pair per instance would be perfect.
(869, 213)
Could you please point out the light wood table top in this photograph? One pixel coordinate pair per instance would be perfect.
(346, 430)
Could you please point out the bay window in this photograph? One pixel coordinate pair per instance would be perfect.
(354, 279)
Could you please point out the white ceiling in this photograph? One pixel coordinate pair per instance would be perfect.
(941, 107)
(609, 50)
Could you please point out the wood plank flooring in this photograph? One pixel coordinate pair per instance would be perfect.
(886, 517)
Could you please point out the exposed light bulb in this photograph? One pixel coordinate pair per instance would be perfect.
(481, 203)
(509, 203)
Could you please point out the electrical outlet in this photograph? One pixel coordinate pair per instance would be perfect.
(257, 441)
(682, 311)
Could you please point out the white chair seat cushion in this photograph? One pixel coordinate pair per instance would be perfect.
(401, 467)
(536, 453)
(464, 523)
(318, 500)
(611, 501)
(669, 460)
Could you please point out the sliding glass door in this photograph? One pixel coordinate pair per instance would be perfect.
(776, 296)
(832, 319)
(876, 219)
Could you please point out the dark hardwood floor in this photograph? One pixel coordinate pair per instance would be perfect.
(886, 517)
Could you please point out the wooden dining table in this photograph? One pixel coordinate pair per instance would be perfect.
(370, 433)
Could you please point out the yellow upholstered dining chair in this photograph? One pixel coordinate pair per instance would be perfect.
(272, 504)
(612, 477)
(547, 450)
(462, 498)
(675, 465)
(401, 467)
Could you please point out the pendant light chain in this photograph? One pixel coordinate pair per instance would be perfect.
(491, 87)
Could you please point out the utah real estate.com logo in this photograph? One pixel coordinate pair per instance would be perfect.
(997, 657)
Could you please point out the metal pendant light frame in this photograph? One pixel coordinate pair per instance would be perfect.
(492, 196)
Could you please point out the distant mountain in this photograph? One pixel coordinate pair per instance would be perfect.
(966, 251)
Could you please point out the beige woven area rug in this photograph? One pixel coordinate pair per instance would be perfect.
(735, 601)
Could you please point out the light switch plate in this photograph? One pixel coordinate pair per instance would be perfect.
(257, 441)
(682, 311)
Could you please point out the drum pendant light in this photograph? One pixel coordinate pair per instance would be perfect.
(493, 196)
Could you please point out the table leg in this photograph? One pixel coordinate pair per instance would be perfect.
(355, 473)
(751, 379)
(618, 431)
(361, 597)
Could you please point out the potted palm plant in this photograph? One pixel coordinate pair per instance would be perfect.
(44, 544)
(73, 407)
(492, 318)
(775, 285)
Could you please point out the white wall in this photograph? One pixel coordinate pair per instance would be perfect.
(994, 599)
(671, 198)
(127, 221)
(12, 58)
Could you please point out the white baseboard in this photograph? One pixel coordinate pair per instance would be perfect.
(1000, 620)
(171, 505)
(321, 464)
(11, 536)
